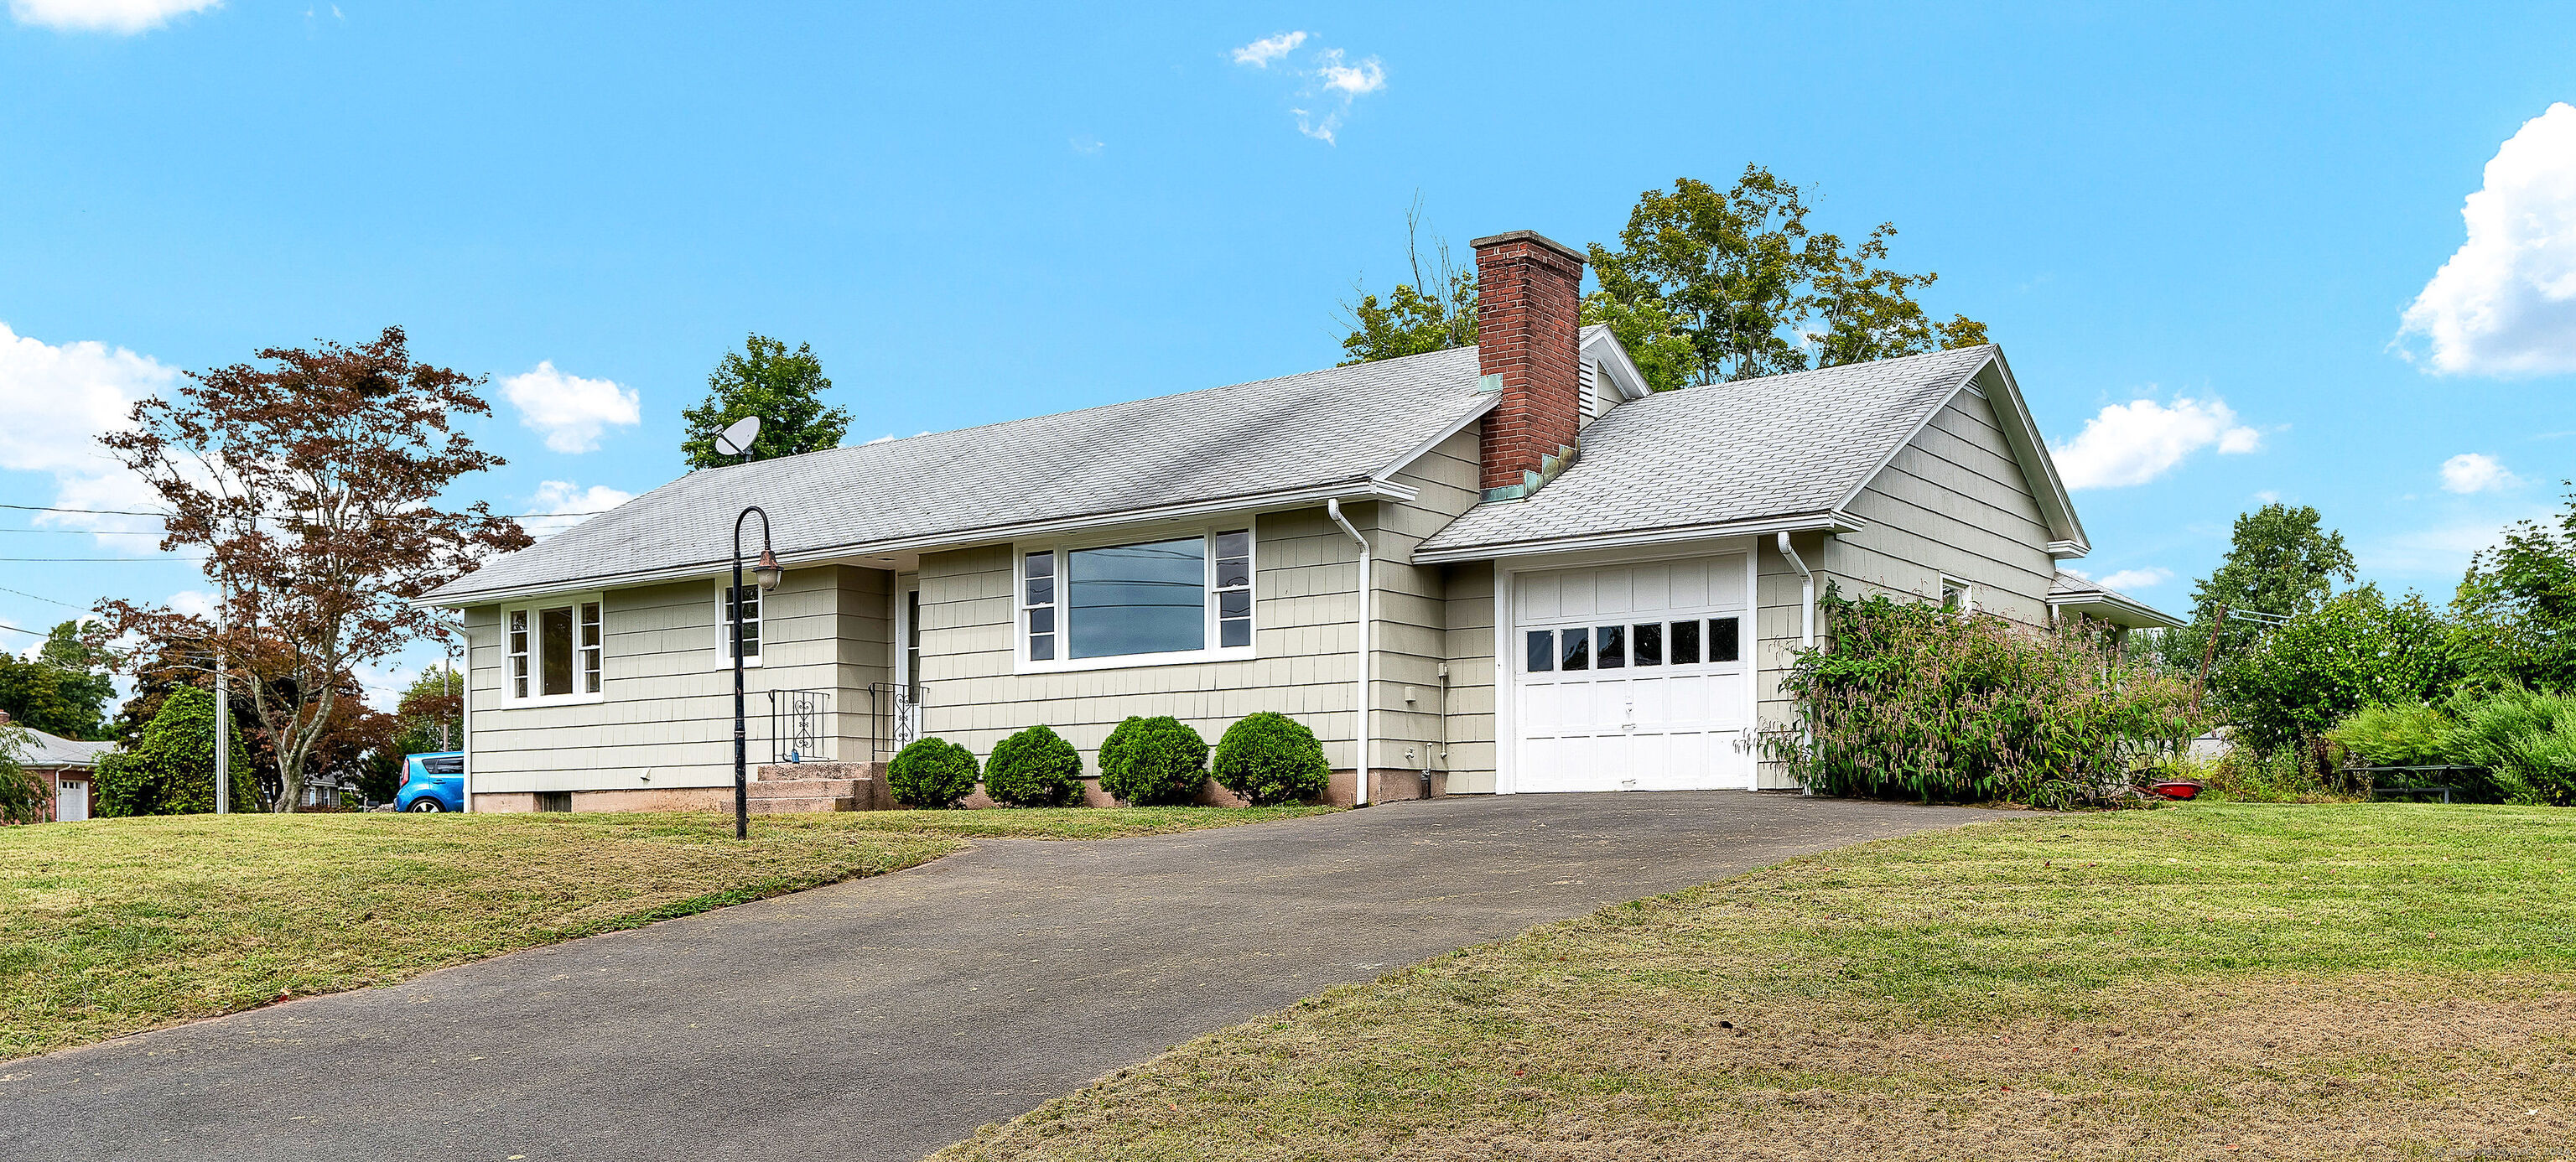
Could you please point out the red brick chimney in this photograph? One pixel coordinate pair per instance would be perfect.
(1528, 296)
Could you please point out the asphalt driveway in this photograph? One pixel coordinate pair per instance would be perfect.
(885, 1018)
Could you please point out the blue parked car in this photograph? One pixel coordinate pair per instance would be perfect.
(432, 782)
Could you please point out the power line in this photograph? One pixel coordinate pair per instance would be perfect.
(83, 511)
(28, 632)
(99, 560)
(38, 597)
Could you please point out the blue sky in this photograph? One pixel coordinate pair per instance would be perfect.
(2196, 233)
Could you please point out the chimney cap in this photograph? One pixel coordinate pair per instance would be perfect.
(1527, 236)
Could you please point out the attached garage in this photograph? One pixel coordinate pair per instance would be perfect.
(1633, 677)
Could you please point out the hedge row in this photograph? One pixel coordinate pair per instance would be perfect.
(1266, 758)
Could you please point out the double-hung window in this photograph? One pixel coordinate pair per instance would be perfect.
(749, 601)
(1172, 599)
(556, 653)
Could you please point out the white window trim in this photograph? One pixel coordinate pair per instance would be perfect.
(536, 663)
(724, 630)
(1967, 593)
(1062, 548)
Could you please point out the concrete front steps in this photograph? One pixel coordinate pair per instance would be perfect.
(791, 787)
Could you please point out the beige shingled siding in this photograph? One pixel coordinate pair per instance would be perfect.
(665, 717)
(1954, 501)
(1413, 607)
(1304, 572)
(1778, 621)
(1472, 762)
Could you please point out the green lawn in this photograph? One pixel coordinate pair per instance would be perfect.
(2204, 981)
(115, 925)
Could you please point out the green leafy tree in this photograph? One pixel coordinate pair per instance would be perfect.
(2356, 649)
(24, 794)
(171, 769)
(43, 696)
(784, 388)
(2281, 560)
(2516, 608)
(1709, 285)
(1434, 312)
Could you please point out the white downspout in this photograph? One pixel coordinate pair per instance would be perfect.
(1806, 609)
(1360, 769)
(1806, 594)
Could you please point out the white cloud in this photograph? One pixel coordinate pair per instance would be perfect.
(1328, 86)
(1349, 80)
(2135, 442)
(119, 16)
(1087, 145)
(2505, 303)
(2475, 472)
(1261, 52)
(570, 499)
(569, 411)
(2147, 578)
(58, 400)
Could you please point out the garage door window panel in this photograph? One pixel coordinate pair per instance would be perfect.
(1646, 644)
(1722, 644)
(1610, 644)
(1685, 643)
(1574, 650)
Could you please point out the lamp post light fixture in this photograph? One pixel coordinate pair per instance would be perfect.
(736, 440)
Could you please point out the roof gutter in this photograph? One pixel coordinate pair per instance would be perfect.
(1359, 489)
(1832, 522)
(1359, 768)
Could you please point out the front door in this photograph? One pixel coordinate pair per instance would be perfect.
(1633, 677)
(907, 702)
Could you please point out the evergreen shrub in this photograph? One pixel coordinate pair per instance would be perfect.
(1034, 768)
(1271, 758)
(932, 772)
(1154, 760)
(171, 768)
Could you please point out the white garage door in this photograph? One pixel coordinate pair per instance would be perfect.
(1632, 677)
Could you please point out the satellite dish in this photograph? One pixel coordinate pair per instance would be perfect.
(736, 440)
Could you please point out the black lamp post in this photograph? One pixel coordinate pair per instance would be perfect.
(736, 440)
(766, 574)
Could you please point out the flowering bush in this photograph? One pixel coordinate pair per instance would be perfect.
(1911, 702)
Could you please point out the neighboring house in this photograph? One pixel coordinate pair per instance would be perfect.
(1641, 565)
(69, 767)
(2074, 597)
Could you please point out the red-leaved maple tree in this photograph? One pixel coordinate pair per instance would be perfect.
(312, 483)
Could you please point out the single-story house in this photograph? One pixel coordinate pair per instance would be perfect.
(1498, 569)
(69, 768)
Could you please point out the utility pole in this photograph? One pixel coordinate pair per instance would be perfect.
(2208, 648)
(223, 708)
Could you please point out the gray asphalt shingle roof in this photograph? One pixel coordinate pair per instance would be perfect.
(1784, 445)
(53, 750)
(1302, 431)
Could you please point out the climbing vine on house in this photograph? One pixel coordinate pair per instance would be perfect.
(1911, 702)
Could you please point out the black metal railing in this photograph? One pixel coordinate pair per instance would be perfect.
(800, 726)
(894, 717)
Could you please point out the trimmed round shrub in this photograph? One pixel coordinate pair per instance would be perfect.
(1034, 768)
(1271, 758)
(1154, 760)
(933, 772)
